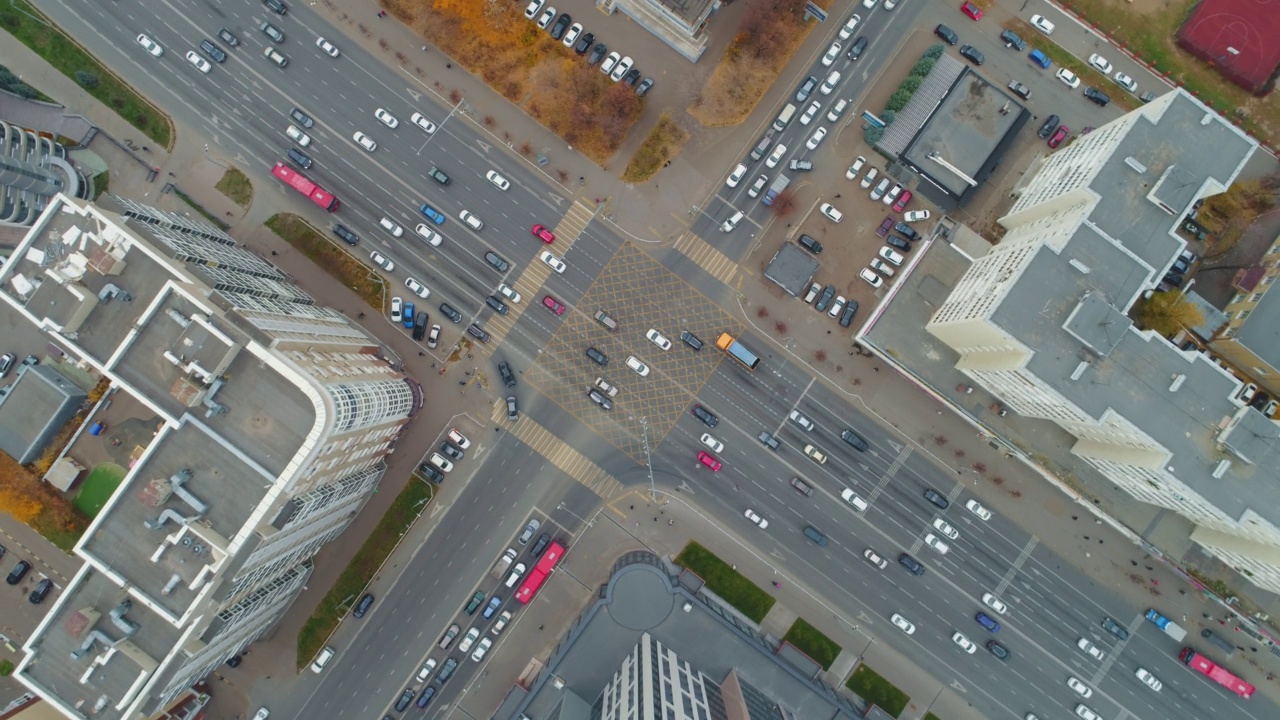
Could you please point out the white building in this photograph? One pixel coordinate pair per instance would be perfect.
(271, 417)
(1042, 322)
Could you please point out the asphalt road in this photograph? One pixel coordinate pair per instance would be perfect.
(242, 105)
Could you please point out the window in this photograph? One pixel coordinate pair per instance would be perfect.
(1255, 297)
(1242, 314)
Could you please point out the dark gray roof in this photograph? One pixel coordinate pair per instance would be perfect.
(39, 403)
(792, 269)
(1260, 332)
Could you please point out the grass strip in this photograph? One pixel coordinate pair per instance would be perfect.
(870, 686)
(332, 259)
(1087, 73)
(235, 185)
(26, 24)
(663, 143)
(809, 640)
(406, 508)
(726, 582)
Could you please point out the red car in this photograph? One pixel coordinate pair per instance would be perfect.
(903, 199)
(550, 303)
(709, 461)
(1059, 136)
(543, 234)
(971, 10)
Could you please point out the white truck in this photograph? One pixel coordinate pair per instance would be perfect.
(500, 569)
(1169, 627)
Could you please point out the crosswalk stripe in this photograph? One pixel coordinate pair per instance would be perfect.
(558, 453)
(716, 263)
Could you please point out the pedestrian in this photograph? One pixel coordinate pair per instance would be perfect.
(633, 507)
(424, 48)
(837, 196)
(361, 315)
(539, 627)
(876, 369)
(273, 252)
(671, 522)
(449, 66)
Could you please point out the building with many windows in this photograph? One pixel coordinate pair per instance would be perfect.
(1042, 322)
(264, 420)
(1248, 340)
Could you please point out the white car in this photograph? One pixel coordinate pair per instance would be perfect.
(503, 619)
(365, 141)
(833, 52)
(832, 214)
(444, 464)
(391, 226)
(880, 189)
(1149, 679)
(1040, 23)
(656, 338)
(855, 168)
(261, 714)
(830, 83)
(471, 220)
(941, 526)
(1100, 63)
(870, 277)
(571, 36)
(1081, 689)
(459, 439)
(852, 498)
(816, 139)
(498, 181)
(881, 267)
(801, 420)
(397, 306)
(607, 66)
(892, 256)
(150, 46)
(620, 70)
(552, 261)
(433, 338)
(994, 603)
(387, 118)
(915, 216)
(327, 47)
(297, 135)
(776, 156)
(965, 643)
(849, 26)
(837, 306)
(382, 261)
(810, 112)
(431, 236)
(640, 368)
(1090, 648)
(427, 668)
(873, 558)
(978, 509)
(472, 635)
(891, 196)
(750, 515)
(509, 293)
(1086, 712)
(869, 4)
(736, 176)
(902, 624)
(417, 288)
(713, 444)
(1068, 78)
(481, 649)
(869, 179)
(1125, 82)
(421, 121)
(837, 110)
(936, 543)
(815, 454)
(547, 16)
(532, 10)
(201, 64)
(758, 186)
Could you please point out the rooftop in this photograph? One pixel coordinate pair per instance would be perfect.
(1260, 332)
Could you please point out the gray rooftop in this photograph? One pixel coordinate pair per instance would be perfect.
(1260, 332)
(39, 403)
(792, 269)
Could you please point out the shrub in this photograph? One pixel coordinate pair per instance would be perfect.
(921, 68)
(935, 51)
(898, 99)
(888, 116)
(911, 84)
(872, 135)
(86, 79)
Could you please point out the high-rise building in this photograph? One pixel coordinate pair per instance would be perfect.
(260, 423)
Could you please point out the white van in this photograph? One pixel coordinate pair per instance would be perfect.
(732, 222)
(784, 117)
(275, 57)
(323, 659)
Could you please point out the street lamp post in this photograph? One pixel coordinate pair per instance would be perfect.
(648, 460)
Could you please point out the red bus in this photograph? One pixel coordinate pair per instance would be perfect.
(1216, 673)
(539, 574)
(299, 182)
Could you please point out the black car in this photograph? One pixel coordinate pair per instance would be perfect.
(1115, 628)
(946, 34)
(1173, 278)
(1011, 40)
(438, 175)
(562, 24)
(19, 571)
(478, 333)
(1001, 652)
(859, 45)
(276, 6)
(513, 413)
(1050, 124)
(541, 545)
(363, 606)
(597, 53)
(906, 231)
(497, 305)
(824, 300)
(234, 661)
(406, 697)
(810, 244)
(451, 312)
(432, 472)
(691, 340)
(420, 325)
(214, 52)
(850, 310)
(428, 692)
(451, 450)
(644, 87)
(496, 261)
(347, 236)
(300, 158)
(971, 53)
(301, 118)
(40, 592)
(806, 89)
(508, 377)
(584, 43)
(272, 32)
(598, 398)
(702, 414)
(856, 441)
(632, 77)
(936, 498)
(897, 242)
(227, 37)
(446, 670)
(597, 357)
(912, 565)
(1097, 96)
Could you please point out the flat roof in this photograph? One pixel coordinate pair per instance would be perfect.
(792, 269)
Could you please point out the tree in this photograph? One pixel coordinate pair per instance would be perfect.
(784, 204)
(1168, 312)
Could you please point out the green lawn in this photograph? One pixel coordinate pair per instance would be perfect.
(867, 684)
(97, 488)
(822, 649)
(931, 716)
(726, 582)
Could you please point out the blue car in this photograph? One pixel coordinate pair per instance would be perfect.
(1040, 59)
(432, 214)
(985, 621)
(407, 318)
